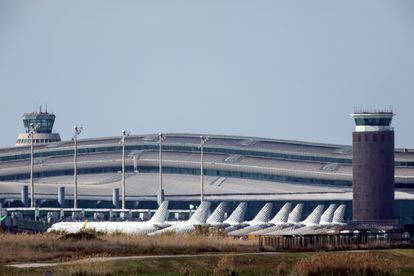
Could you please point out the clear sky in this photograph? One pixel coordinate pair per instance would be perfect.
(277, 69)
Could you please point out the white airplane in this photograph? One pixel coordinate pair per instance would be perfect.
(325, 221)
(331, 220)
(339, 215)
(313, 219)
(156, 222)
(217, 217)
(198, 218)
(261, 219)
(293, 218)
(235, 219)
(280, 218)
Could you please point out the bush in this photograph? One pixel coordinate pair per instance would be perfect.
(84, 235)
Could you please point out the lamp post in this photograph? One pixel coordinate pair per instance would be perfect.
(76, 131)
(124, 135)
(161, 138)
(32, 131)
(203, 140)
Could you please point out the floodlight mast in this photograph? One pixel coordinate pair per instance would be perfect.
(32, 130)
(203, 140)
(161, 138)
(76, 131)
(124, 135)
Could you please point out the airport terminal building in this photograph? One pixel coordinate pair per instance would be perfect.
(256, 170)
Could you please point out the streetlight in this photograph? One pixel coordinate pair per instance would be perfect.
(76, 131)
(33, 128)
(161, 138)
(203, 140)
(124, 135)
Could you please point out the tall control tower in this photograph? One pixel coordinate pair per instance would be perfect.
(41, 123)
(373, 167)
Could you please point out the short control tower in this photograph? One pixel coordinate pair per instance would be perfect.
(373, 167)
(41, 124)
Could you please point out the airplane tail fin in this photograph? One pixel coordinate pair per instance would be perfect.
(264, 213)
(328, 214)
(201, 214)
(161, 214)
(296, 214)
(238, 213)
(315, 216)
(218, 215)
(339, 214)
(283, 214)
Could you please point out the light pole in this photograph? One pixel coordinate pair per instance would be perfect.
(32, 130)
(161, 138)
(203, 140)
(76, 131)
(124, 135)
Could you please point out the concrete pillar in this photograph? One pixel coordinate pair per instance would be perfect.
(126, 215)
(135, 205)
(135, 163)
(25, 196)
(115, 197)
(145, 216)
(160, 196)
(36, 214)
(61, 197)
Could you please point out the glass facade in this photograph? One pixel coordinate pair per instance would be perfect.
(190, 171)
(373, 121)
(181, 148)
(194, 171)
(189, 148)
(45, 125)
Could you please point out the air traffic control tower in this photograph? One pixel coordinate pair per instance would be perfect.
(373, 167)
(41, 125)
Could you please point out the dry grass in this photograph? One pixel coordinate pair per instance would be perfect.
(51, 246)
(362, 263)
(226, 266)
(378, 262)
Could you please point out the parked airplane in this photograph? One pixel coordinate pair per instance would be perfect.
(280, 217)
(217, 217)
(339, 215)
(261, 219)
(198, 218)
(332, 220)
(156, 222)
(294, 218)
(235, 219)
(313, 219)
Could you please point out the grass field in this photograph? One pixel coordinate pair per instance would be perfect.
(52, 247)
(225, 257)
(386, 262)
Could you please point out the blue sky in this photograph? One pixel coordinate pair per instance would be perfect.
(277, 69)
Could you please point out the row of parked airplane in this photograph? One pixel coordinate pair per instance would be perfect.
(287, 221)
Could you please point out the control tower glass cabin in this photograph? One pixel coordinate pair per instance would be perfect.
(41, 123)
(373, 167)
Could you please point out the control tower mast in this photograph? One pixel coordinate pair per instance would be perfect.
(41, 123)
(373, 167)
